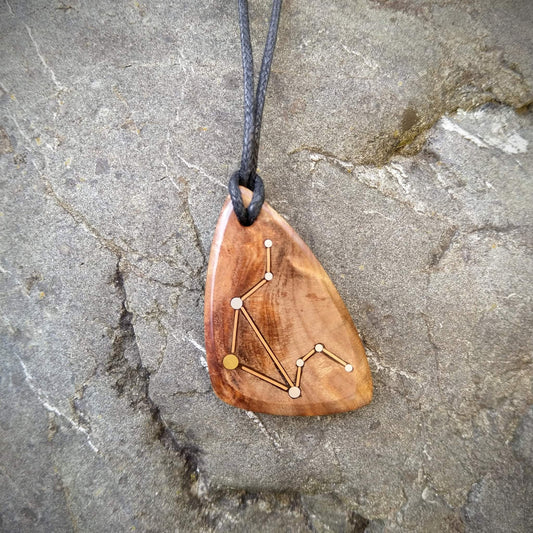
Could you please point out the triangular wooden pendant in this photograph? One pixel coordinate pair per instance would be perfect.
(279, 338)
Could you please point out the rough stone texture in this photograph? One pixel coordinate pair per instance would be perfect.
(397, 141)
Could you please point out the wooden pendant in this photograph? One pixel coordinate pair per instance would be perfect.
(279, 338)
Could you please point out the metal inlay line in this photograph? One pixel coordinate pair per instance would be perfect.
(235, 327)
(253, 289)
(266, 346)
(264, 378)
(308, 355)
(298, 376)
(335, 357)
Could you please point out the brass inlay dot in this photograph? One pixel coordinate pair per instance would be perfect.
(231, 361)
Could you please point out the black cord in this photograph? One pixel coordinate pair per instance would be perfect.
(253, 112)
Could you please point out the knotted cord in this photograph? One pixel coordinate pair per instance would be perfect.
(253, 112)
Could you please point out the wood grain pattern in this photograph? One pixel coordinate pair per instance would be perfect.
(279, 338)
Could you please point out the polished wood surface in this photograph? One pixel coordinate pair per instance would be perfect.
(279, 338)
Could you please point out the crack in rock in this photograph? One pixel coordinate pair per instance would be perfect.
(132, 381)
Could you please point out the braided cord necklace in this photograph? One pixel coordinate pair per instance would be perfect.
(279, 338)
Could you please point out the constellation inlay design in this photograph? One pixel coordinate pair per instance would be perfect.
(231, 361)
(276, 328)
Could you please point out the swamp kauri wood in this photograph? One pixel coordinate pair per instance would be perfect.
(279, 338)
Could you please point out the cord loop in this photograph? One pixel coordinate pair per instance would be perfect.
(246, 215)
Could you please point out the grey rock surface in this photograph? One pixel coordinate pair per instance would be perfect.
(397, 141)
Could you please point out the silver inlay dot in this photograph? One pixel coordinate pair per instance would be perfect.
(319, 347)
(236, 303)
(300, 362)
(268, 243)
(294, 392)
